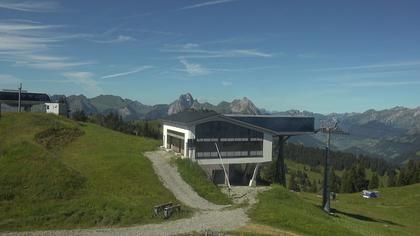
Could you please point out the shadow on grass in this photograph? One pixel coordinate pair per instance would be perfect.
(364, 218)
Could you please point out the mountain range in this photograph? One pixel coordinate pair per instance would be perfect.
(391, 133)
(133, 110)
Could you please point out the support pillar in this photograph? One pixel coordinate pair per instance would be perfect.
(327, 170)
(280, 175)
(253, 181)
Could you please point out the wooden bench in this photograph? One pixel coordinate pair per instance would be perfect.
(168, 210)
(160, 208)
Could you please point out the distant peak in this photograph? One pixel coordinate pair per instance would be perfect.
(186, 96)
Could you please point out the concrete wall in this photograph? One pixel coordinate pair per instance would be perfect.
(188, 134)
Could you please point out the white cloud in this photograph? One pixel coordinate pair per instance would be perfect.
(82, 75)
(194, 69)
(118, 39)
(381, 83)
(29, 44)
(142, 68)
(204, 4)
(17, 26)
(29, 6)
(191, 50)
(373, 66)
(307, 55)
(251, 52)
(85, 81)
(226, 83)
(53, 65)
(47, 58)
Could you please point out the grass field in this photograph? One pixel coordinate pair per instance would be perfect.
(319, 177)
(192, 173)
(56, 173)
(396, 212)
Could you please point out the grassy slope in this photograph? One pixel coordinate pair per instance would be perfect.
(294, 166)
(395, 213)
(99, 179)
(193, 174)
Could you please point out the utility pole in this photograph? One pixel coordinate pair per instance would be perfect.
(19, 99)
(328, 130)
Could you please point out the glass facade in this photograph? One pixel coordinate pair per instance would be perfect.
(233, 141)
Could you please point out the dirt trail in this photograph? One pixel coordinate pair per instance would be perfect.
(171, 179)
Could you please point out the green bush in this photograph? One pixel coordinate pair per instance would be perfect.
(57, 137)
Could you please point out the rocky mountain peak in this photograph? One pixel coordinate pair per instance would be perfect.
(185, 101)
(244, 106)
(238, 106)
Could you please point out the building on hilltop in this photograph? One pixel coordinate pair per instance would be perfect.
(30, 102)
(56, 108)
(242, 140)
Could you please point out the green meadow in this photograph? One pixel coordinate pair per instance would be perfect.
(57, 173)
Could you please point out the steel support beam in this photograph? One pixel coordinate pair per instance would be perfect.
(280, 175)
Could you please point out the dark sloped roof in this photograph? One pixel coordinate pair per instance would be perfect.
(279, 124)
(188, 116)
(275, 124)
(33, 97)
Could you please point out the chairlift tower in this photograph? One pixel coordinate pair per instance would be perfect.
(328, 128)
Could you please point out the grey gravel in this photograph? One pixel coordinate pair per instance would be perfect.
(171, 179)
(214, 220)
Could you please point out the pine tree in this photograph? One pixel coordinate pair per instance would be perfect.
(346, 182)
(334, 181)
(314, 187)
(79, 115)
(391, 179)
(402, 178)
(292, 183)
(146, 129)
(374, 181)
(412, 172)
(360, 181)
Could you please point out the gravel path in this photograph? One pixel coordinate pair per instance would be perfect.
(171, 179)
(214, 220)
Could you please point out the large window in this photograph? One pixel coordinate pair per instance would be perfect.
(221, 129)
(232, 140)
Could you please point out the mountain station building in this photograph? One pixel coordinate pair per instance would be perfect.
(243, 141)
(29, 102)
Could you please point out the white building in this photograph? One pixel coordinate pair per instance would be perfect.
(55, 108)
(241, 139)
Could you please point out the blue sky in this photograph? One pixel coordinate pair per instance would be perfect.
(322, 56)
